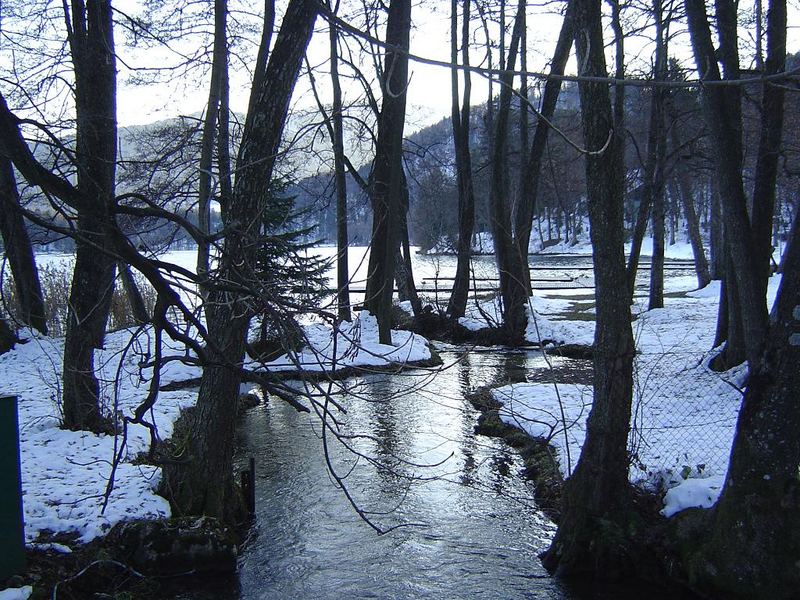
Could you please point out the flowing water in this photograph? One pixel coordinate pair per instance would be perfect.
(469, 525)
(408, 457)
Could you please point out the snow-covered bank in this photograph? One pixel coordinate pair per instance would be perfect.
(684, 413)
(544, 323)
(65, 474)
(355, 344)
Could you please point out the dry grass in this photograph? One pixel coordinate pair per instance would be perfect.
(56, 281)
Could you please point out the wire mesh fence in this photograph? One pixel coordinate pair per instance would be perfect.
(683, 418)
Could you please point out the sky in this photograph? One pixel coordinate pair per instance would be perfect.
(429, 88)
(428, 92)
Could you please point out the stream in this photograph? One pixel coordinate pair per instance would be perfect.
(469, 527)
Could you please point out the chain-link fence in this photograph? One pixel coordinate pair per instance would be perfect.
(684, 417)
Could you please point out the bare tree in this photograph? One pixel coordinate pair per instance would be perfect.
(337, 137)
(460, 119)
(386, 181)
(19, 252)
(513, 290)
(90, 33)
(211, 124)
(746, 306)
(533, 167)
(595, 496)
(202, 482)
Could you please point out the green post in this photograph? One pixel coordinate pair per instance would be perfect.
(12, 530)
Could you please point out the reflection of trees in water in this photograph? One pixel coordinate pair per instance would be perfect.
(468, 444)
(381, 406)
(464, 368)
(512, 368)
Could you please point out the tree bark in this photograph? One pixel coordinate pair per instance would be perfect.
(652, 187)
(7, 337)
(755, 536)
(387, 178)
(219, 66)
(772, 107)
(639, 230)
(134, 295)
(595, 496)
(656, 299)
(460, 119)
(717, 247)
(92, 47)
(723, 115)
(340, 183)
(19, 252)
(513, 291)
(404, 271)
(533, 166)
(201, 483)
(684, 191)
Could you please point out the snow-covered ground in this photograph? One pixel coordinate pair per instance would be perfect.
(355, 345)
(483, 243)
(684, 413)
(65, 473)
(543, 323)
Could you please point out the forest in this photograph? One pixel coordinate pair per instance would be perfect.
(265, 315)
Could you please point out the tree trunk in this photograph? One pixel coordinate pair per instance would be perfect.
(717, 249)
(7, 337)
(134, 296)
(513, 291)
(656, 299)
(639, 230)
(693, 223)
(730, 328)
(533, 166)
(619, 70)
(723, 114)
(404, 272)
(201, 482)
(387, 178)
(466, 194)
(92, 47)
(219, 64)
(772, 100)
(657, 190)
(90, 297)
(340, 183)
(19, 251)
(652, 187)
(755, 538)
(595, 496)
(224, 136)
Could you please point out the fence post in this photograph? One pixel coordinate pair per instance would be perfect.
(12, 530)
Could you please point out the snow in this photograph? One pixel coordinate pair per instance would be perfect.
(65, 473)
(22, 593)
(354, 345)
(693, 493)
(543, 324)
(684, 414)
(677, 251)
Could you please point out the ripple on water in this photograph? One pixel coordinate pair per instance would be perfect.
(480, 540)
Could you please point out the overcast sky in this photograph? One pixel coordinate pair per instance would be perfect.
(429, 89)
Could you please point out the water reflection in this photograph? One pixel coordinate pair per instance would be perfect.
(481, 533)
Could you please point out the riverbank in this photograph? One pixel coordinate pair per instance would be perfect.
(67, 497)
(684, 412)
(684, 419)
